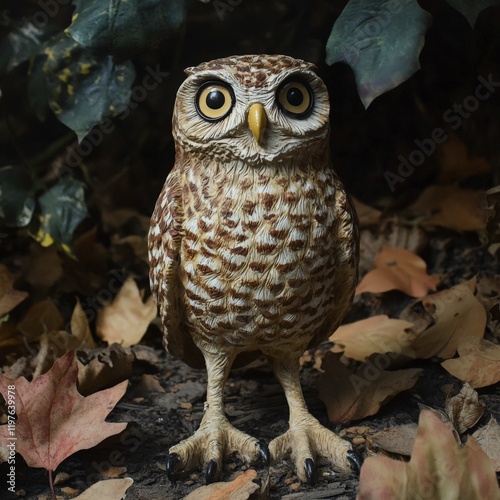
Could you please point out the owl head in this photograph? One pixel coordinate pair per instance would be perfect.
(255, 108)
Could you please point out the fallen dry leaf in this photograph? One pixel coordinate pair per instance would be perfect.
(439, 469)
(44, 268)
(104, 367)
(109, 489)
(53, 419)
(127, 318)
(367, 215)
(397, 440)
(453, 208)
(239, 489)
(55, 344)
(398, 269)
(457, 314)
(378, 334)
(464, 409)
(40, 318)
(457, 162)
(353, 395)
(478, 363)
(9, 297)
(488, 437)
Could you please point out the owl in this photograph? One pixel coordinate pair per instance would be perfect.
(253, 248)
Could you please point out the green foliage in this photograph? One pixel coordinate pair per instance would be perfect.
(381, 41)
(125, 27)
(62, 208)
(84, 88)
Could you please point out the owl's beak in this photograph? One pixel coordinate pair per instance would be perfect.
(257, 121)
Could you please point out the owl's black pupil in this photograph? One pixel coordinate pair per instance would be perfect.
(295, 96)
(215, 99)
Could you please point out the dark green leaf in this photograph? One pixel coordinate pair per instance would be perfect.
(22, 42)
(82, 87)
(62, 209)
(381, 41)
(16, 196)
(125, 26)
(470, 9)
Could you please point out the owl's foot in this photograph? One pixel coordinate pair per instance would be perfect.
(307, 441)
(215, 439)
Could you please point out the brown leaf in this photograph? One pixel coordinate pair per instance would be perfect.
(103, 368)
(398, 269)
(464, 409)
(9, 298)
(378, 334)
(80, 328)
(239, 489)
(53, 419)
(127, 318)
(109, 489)
(453, 208)
(478, 364)
(367, 215)
(457, 314)
(45, 267)
(41, 317)
(397, 440)
(353, 395)
(488, 437)
(439, 469)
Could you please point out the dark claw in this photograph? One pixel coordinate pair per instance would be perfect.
(355, 460)
(210, 472)
(264, 452)
(310, 470)
(172, 461)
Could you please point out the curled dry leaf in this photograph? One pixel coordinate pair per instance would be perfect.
(488, 437)
(439, 468)
(9, 297)
(464, 409)
(457, 315)
(378, 334)
(397, 440)
(56, 343)
(398, 269)
(127, 318)
(104, 367)
(239, 489)
(53, 419)
(109, 489)
(478, 363)
(453, 208)
(352, 395)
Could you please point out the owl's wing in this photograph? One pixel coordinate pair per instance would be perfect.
(164, 243)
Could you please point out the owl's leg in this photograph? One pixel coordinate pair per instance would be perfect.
(307, 440)
(216, 437)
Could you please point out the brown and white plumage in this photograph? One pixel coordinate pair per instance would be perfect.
(253, 244)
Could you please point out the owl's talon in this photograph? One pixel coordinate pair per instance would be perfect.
(264, 452)
(355, 460)
(310, 469)
(210, 472)
(172, 461)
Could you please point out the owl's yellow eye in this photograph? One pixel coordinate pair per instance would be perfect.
(214, 100)
(295, 98)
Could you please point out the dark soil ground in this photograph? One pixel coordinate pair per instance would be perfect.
(254, 403)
